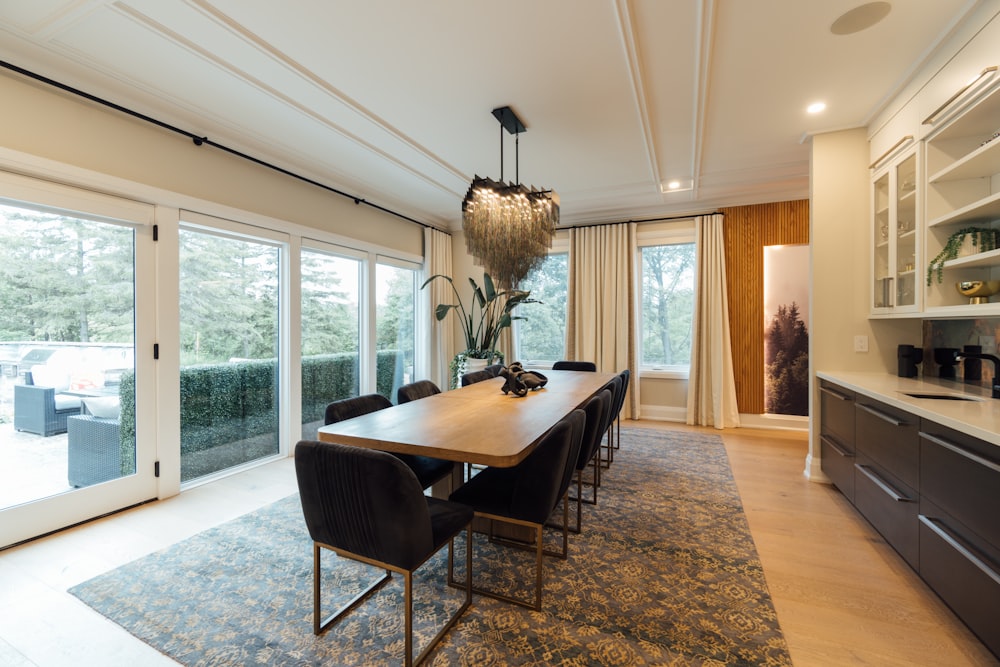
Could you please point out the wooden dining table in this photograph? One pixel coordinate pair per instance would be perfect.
(477, 424)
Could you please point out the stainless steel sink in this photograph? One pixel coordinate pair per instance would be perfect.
(942, 397)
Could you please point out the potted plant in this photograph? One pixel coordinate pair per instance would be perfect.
(488, 314)
(983, 238)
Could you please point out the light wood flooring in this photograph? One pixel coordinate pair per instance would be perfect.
(842, 595)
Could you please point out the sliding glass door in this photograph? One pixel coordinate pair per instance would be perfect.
(331, 330)
(229, 336)
(68, 373)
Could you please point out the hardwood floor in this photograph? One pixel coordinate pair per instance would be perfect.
(842, 595)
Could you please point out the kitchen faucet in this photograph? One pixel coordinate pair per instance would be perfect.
(959, 356)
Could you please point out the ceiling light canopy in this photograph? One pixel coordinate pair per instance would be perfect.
(508, 226)
(816, 107)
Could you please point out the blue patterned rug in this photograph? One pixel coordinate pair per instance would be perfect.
(665, 572)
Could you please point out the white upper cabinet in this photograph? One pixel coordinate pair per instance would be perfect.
(895, 237)
(963, 200)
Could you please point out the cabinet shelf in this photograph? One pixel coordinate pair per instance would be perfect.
(988, 258)
(987, 208)
(980, 163)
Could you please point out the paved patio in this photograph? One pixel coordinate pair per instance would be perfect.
(31, 467)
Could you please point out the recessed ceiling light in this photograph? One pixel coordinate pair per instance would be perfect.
(676, 185)
(860, 18)
(816, 107)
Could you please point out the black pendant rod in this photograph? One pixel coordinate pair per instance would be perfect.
(201, 141)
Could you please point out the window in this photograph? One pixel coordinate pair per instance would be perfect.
(668, 282)
(331, 332)
(540, 338)
(229, 381)
(395, 342)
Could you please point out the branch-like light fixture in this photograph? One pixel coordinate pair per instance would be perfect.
(508, 227)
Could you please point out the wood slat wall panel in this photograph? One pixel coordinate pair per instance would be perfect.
(747, 230)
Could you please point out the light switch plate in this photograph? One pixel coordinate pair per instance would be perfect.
(861, 343)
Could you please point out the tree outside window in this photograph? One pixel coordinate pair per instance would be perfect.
(541, 336)
(668, 275)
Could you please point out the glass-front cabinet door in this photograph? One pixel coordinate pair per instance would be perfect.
(895, 213)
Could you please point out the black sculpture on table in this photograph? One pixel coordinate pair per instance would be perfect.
(519, 381)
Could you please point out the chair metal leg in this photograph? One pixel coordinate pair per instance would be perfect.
(579, 499)
(319, 627)
(539, 552)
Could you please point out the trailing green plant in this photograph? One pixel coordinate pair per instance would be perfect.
(983, 238)
(488, 314)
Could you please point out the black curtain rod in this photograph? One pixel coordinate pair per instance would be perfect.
(668, 218)
(200, 141)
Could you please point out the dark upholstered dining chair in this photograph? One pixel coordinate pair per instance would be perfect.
(416, 390)
(476, 376)
(528, 493)
(367, 506)
(597, 410)
(566, 365)
(494, 369)
(427, 469)
(614, 435)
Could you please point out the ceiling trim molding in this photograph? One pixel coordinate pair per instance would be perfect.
(703, 73)
(303, 74)
(627, 32)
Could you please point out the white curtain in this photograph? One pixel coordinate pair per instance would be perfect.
(440, 338)
(601, 317)
(711, 385)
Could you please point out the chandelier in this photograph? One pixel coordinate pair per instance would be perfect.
(508, 226)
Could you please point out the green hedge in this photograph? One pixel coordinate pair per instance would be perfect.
(225, 403)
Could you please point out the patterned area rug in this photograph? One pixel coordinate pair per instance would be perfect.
(665, 572)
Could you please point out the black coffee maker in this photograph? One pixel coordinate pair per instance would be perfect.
(908, 357)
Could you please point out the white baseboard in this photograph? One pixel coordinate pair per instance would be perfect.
(663, 413)
(776, 422)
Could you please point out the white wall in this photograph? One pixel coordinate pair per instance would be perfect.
(42, 122)
(840, 271)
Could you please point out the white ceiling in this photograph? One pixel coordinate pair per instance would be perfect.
(390, 100)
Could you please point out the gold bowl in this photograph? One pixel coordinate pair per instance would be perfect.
(978, 291)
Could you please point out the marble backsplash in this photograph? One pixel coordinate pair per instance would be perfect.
(958, 334)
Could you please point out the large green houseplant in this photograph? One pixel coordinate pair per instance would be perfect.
(487, 315)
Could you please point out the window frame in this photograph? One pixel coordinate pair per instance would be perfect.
(560, 246)
(674, 232)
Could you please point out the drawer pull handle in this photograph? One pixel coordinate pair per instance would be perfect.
(961, 451)
(834, 446)
(836, 394)
(881, 415)
(882, 484)
(941, 532)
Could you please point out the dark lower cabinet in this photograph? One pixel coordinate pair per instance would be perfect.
(960, 526)
(889, 505)
(931, 491)
(837, 436)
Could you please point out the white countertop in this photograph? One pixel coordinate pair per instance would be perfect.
(979, 418)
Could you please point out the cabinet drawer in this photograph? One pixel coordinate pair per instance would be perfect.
(890, 505)
(838, 464)
(889, 437)
(965, 578)
(961, 475)
(837, 413)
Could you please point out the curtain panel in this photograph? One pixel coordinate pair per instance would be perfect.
(440, 342)
(601, 314)
(711, 385)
